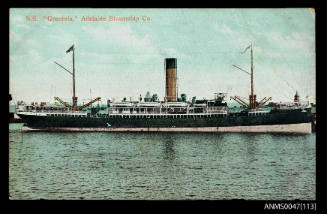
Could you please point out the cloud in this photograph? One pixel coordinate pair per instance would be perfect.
(64, 38)
(24, 26)
(95, 57)
(17, 18)
(224, 29)
(32, 57)
(44, 27)
(122, 35)
(295, 41)
(19, 40)
(232, 39)
(171, 52)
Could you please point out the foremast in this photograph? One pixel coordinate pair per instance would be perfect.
(74, 107)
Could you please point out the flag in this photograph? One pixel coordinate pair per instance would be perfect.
(70, 49)
(246, 49)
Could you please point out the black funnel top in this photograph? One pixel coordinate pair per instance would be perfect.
(171, 63)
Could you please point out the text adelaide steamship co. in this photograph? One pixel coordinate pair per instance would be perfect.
(89, 18)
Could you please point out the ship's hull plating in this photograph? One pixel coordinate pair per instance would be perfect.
(304, 128)
(265, 122)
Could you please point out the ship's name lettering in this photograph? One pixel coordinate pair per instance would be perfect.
(53, 18)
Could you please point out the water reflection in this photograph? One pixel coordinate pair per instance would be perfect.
(169, 151)
(161, 166)
(215, 142)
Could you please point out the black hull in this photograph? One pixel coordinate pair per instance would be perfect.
(118, 121)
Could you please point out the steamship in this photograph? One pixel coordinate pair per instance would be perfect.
(172, 114)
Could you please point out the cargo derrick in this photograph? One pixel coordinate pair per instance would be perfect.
(240, 101)
(263, 102)
(74, 107)
(63, 102)
(89, 103)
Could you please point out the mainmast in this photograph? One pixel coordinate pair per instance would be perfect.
(252, 97)
(251, 71)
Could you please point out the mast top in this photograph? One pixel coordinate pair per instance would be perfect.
(70, 49)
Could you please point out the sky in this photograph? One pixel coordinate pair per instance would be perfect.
(125, 58)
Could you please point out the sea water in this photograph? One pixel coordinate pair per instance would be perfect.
(161, 166)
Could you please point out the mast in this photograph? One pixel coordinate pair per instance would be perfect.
(74, 106)
(74, 97)
(252, 97)
(251, 71)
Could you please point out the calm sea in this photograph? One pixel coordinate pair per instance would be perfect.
(161, 166)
